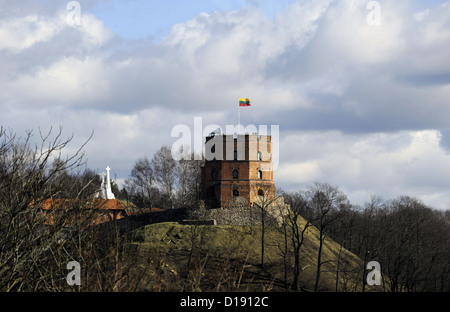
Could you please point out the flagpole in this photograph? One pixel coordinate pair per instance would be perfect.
(239, 118)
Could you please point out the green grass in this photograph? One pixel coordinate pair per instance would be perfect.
(228, 258)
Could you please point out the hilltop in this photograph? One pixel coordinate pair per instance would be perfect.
(174, 257)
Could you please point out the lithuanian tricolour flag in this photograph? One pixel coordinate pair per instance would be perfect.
(244, 102)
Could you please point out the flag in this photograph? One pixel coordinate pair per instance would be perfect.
(244, 102)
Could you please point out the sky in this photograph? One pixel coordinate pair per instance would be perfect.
(360, 89)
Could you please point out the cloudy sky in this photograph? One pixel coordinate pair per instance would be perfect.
(360, 89)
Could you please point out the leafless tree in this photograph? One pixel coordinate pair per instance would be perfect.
(413, 247)
(188, 171)
(324, 201)
(28, 176)
(164, 167)
(265, 203)
(295, 230)
(140, 186)
(408, 239)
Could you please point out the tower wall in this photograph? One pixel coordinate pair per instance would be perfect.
(237, 166)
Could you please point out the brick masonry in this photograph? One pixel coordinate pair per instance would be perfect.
(237, 166)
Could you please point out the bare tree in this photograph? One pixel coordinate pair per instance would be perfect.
(263, 203)
(28, 176)
(188, 175)
(367, 232)
(295, 229)
(164, 167)
(324, 201)
(140, 186)
(407, 238)
(413, 244)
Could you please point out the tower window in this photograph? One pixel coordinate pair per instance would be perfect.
(260, 192)
(260, 155)
(259, 174)
(235, 193)
(211, 192)
(235, 174)
(235, 155)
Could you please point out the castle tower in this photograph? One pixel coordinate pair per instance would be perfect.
(237, 166)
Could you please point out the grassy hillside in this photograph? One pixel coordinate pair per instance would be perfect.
(174, 257)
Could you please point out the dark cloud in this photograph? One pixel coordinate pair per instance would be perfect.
(445, 140)
(348, 95)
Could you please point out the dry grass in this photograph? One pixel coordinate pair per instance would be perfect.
(227, 258)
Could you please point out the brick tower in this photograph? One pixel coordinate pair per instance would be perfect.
(237, 166)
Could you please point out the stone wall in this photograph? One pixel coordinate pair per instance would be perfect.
(227, 216)
(236, 213)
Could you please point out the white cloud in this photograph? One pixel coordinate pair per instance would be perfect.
(353, 39)
(422, 15)
(94, 32)
(67, 81)
(355, 102)
(20, 33)
(402, 163)
(299, 173)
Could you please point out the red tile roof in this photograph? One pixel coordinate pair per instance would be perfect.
(108, 209)
(108, 204)
(103, 204)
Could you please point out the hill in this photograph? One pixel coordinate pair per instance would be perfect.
(174, 257)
